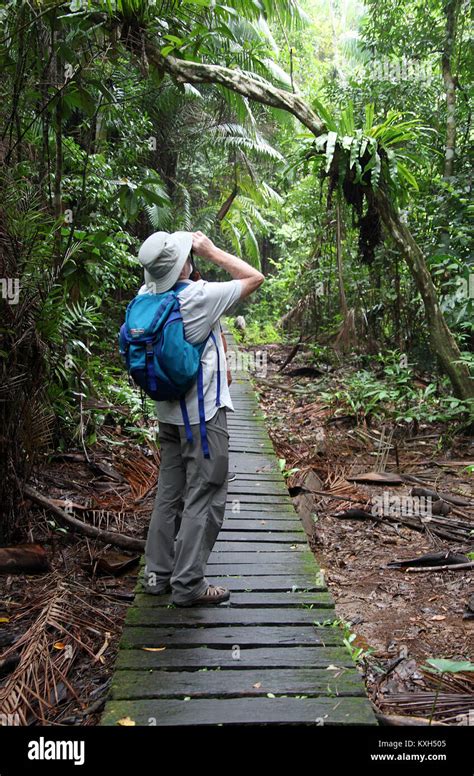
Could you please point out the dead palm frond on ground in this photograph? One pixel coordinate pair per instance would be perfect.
(66, 625)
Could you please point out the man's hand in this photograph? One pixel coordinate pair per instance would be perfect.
(202, 245)
(237, 268)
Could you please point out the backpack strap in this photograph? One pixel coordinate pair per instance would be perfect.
(179, 285)
(187, 425)
(202, 414)
(218, 392)
(150, 368)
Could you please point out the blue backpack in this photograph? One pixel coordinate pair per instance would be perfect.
(159, 358)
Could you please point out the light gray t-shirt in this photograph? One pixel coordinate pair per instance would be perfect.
(202, 304)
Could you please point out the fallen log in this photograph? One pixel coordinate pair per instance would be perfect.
(435, 495)
(395, 720)
(23, 559)
(450, 567)
(280, 386)
(108, 537)
(431, 559)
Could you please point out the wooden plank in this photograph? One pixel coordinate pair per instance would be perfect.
(250, 447)
(286, 558)
(242, 463)
(247, 436)
(241, 431)
(240, 523)
(249, 683)
(241, 635)
(236, 506)
(264, 478)
(256, 569)
(258, 556)
(213, 617)
(246, 422)
(248, 582)
(245, 410)
(249, 439)
(247, 711)
(275, 476)
(264, 568)
(230, 548)
(238, 487)
(189, 658)
(236, 503)
(257, 499)
(280, 538)
(266, 518)
(280, 509)
(266, 582)
(256, 598)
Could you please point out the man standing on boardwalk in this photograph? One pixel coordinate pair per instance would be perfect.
(189, 479)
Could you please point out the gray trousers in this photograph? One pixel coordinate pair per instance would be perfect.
(194, 488)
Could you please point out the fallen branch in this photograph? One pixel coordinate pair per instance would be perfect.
(455, 566)
(280, 387)
(23, 559)
(292, 354)
(396, 720)
(108, 537)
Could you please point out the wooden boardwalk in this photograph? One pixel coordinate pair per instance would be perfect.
(258, 658)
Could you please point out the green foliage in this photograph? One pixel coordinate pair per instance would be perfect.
(255, 333)
(395, 395)
(358, 654)
(371, 151)
(444, 666)
(286, 472)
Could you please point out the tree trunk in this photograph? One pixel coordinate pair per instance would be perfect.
(340, 273)
(58, 169)
(451, 9)
(442, 341)
(441, 338)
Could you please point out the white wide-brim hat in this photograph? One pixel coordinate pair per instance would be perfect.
(163, 256)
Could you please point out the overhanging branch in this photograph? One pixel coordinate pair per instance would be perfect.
(260, 90)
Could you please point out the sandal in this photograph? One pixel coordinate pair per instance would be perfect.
(213, 595)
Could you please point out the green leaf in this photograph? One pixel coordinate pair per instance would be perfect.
(324, 114)
(404, 172)
(450, 666)
(369, 116)
(330, 148)
(355, 153)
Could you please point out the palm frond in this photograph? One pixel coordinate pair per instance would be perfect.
(238, 136)
(65, 625)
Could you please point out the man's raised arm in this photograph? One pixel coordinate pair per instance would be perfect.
(237, 268)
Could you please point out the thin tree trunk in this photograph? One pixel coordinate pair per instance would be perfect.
(347, 334)
(442, 340)
(452, 11)
(58, 170)
(340, 275)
